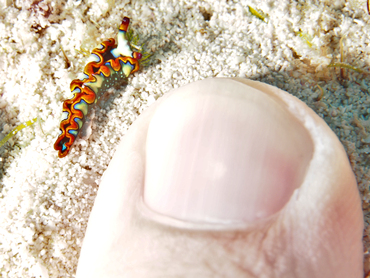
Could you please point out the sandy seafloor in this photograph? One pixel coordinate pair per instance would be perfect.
(45, 201)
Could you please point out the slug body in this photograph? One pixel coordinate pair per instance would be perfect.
(106, 66)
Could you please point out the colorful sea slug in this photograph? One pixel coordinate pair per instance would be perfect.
(106, 66)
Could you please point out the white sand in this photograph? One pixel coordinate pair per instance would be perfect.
(46, 201)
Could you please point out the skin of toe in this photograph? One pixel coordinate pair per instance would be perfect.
(317, 234)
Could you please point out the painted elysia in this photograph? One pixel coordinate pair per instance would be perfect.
(106, 66)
